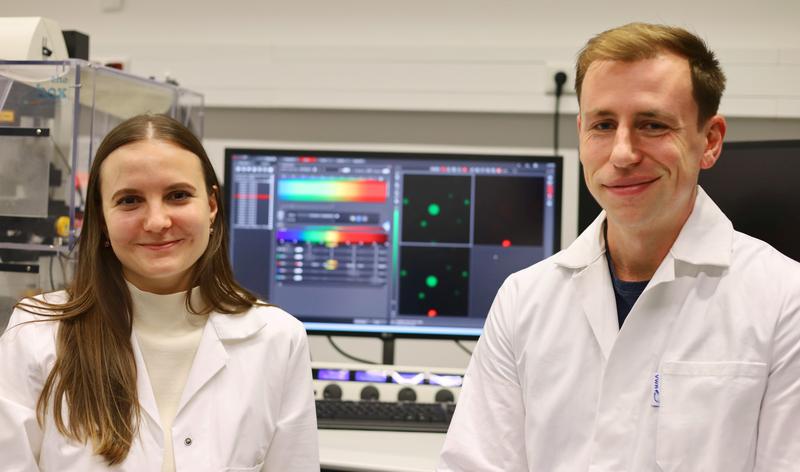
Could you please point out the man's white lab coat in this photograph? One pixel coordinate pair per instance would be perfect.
(247, 406)
(554, 386)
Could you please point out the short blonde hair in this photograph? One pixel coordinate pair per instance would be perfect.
(638, 41)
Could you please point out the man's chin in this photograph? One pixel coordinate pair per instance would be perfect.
(629, 218)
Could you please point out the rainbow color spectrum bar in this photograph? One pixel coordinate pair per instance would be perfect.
(332, 190)
(334, 235)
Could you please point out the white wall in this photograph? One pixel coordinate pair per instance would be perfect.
(450, 55)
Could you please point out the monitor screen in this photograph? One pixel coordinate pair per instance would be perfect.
(404, 243)
(756, 185)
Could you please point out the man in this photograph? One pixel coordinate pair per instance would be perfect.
(661, 339)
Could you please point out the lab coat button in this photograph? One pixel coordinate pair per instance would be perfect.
(187, 442)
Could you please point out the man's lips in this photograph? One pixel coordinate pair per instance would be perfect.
(629, 186)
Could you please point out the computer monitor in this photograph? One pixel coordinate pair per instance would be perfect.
(410, 244)
(755, 183)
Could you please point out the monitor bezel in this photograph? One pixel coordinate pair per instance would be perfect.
(398, 331)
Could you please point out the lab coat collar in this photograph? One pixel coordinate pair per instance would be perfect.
(707, 236)
(586, 249)
(147, 400)
(241, 326)
(705, 239)
(211, 356)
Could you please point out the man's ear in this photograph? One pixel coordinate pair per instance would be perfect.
(715, 133)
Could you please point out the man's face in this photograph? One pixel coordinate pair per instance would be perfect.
(640, 144)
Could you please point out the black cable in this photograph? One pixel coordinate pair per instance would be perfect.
(561, 79)
(463, 347)
(64, 281)
(351, 357)
(50, 270)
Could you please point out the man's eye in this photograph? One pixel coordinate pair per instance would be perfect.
(655, 126)
(603, 126)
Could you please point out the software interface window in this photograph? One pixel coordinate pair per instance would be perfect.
(389, 240)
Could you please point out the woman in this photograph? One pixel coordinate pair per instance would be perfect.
(154, 358)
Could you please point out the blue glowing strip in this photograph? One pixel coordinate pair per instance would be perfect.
(370, 328)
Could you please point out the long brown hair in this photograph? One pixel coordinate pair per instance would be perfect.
(95, 369)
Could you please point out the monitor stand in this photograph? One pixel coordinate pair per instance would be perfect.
(388, 348)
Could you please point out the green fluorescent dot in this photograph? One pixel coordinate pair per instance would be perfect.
(457, 292)
(448, 267)
(405, 201)
(450, 196)
(431, 281)
(464, 274)
(423, 223)
(421, 295)
(433, 209)
(403, 273)
(466, 201)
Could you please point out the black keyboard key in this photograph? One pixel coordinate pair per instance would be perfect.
(385, 416)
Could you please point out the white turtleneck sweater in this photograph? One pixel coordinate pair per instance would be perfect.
(168, 336)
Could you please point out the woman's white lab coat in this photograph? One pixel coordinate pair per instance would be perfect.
(248, 403)
(554, 386)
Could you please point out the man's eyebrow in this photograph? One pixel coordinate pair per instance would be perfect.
(657, 114)
(599, 112)
(603, 113)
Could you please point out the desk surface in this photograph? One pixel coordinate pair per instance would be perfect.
(379, 451)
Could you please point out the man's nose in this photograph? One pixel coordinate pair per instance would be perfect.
(624, 153)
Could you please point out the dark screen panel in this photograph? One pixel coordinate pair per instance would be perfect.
(757, 185)
(588, 209)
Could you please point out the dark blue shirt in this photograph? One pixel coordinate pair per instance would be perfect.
(625, 293)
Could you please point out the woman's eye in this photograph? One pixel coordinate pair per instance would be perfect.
(180, 195)
(128, 200)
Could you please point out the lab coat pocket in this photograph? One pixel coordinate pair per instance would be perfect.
(708, 415)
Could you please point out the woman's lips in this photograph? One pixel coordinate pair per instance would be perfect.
(160, 246)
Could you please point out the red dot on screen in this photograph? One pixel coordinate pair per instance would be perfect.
(432, 313)
(506, 243)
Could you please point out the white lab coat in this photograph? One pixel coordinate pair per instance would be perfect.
(247, 405)
(554, 386)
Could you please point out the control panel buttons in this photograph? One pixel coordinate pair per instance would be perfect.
(445, 396)
(370, 393)
(407, 394)
(332, 392)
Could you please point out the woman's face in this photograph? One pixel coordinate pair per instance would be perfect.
(157, 212)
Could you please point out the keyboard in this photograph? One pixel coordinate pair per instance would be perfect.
(384, 416)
